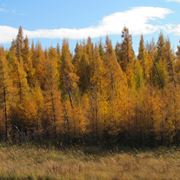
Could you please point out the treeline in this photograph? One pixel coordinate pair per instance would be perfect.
(98, 94)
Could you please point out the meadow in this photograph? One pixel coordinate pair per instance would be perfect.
(89, 163)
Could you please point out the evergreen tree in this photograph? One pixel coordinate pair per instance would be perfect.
(19, 44)
(126, 52)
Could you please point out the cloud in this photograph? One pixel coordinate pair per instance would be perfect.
(3, 10)
(7, 33)
(9, 11)
(178, 1)
(172, 28)
(139, 20)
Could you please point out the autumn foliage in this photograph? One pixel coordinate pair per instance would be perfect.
(98, 94)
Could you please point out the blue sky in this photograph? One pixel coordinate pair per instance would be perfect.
(52, 20)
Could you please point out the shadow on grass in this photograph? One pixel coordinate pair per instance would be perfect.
(27, 178)
(95, 150)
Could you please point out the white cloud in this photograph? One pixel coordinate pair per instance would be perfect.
(178, 1)
(172, 28)
(3, 10)
(139, 20)
(9, 11)
(7, 33)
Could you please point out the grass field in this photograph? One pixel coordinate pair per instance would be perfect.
(29, 162)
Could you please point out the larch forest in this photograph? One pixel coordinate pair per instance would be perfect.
(98, 94)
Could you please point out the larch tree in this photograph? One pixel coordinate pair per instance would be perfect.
(142, 50)
(142, 54)
(98, 94)
(77, 59)
(98, 101)
(116, 87)
(6, 92)
(52, 116)
(146, 60)
(138, 75)
(101, 49)
(172, 95)
(69, 79)
(77, 55)
(69, 87)
(82, 61)
(160, 74)
(38, 62)
(23, 110)
(177, 65)
(170, 60)
(27, 62)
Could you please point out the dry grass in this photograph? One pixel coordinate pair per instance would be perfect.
(29, 162)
